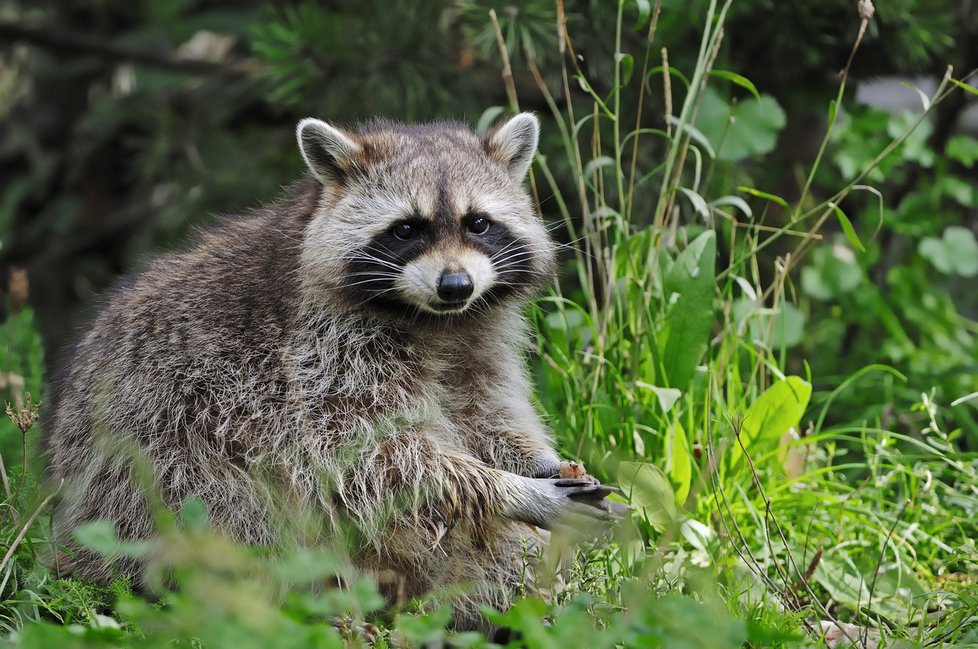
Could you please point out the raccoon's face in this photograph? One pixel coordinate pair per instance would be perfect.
(430, 219)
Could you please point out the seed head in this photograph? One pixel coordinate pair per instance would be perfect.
(866, 9)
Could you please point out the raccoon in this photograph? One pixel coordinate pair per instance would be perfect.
(353, 350)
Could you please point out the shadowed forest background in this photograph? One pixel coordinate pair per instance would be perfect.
(127, 125)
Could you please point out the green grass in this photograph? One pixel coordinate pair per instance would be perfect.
(766, 502)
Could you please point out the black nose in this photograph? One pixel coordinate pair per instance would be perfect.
(454, 287)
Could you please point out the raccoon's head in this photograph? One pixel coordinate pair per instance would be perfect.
(431, 219)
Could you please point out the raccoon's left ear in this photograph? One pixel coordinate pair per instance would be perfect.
(330, 153)
(514, 143)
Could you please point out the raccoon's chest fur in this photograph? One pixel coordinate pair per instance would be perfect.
(352, 375)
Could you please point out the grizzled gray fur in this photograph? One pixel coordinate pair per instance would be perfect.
(352, 350)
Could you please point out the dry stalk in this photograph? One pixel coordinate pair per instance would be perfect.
(649, 37)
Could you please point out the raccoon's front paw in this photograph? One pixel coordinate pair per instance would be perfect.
(567, 502)
(555, 468)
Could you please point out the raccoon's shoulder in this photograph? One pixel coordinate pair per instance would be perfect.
(235, 278)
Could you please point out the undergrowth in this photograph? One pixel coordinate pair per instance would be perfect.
(667, 359)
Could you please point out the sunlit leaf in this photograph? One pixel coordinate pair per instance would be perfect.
(647, 489)
(778, 409)
(688, 289)
(679, 462)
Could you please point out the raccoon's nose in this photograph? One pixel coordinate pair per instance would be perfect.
(455, 287)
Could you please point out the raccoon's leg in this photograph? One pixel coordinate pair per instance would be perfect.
(526, 453)
(112, 488)
(434, 517)
(492, 573)
(105, 491)
(409, 474)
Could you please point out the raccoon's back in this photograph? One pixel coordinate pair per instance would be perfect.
(189, 350)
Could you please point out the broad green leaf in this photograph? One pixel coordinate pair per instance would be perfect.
(832, 272)
(962, 191)
(748, 128)
(916, 146)
(757, 123)
(688, 287)
(424, 629)
(789, 326)
(842, 581)
(305, 566)
(848, 580)
(678, 461)
(934, 250)
(699, 535)
(647, 488)
(955, 253)
(752, 318)
(778, 409)
(963, 149)
(193, 512)
(963, 248)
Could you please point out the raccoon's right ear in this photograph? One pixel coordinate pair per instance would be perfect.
(330, 153)
(514, 143)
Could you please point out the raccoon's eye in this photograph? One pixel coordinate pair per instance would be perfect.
(404, 231)
(479, 226)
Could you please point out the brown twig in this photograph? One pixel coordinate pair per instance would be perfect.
(809, 572)
(641, 103)
(514, 102)
(67, 44)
